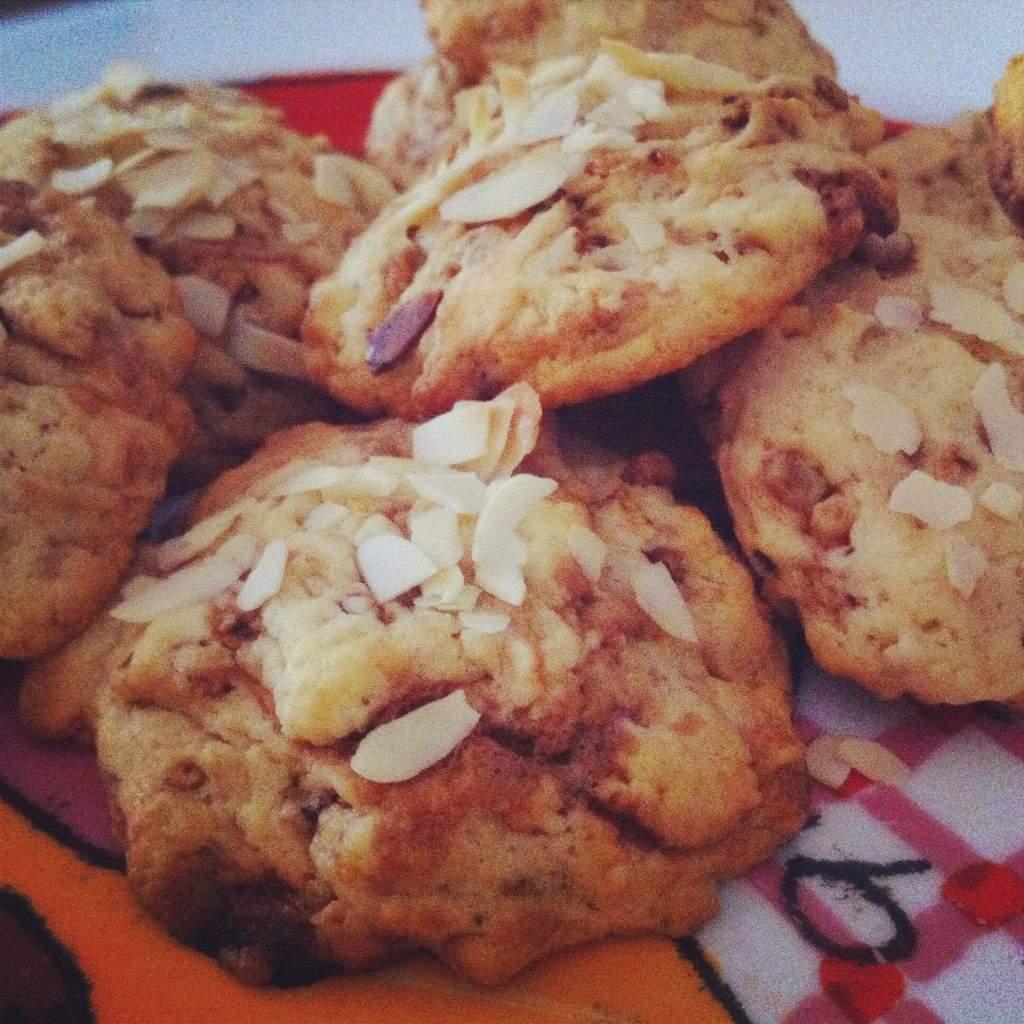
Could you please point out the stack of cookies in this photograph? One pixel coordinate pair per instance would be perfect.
(459, 676)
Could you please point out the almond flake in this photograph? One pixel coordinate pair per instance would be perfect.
(331, 179)
(508, 503)
(500, 573)
(301, 232)
(1013, 288)
(205, 304)
(464, 493)
(147, 223)
(207, 227)
(1002, 499)
(589, 551)
(972, 312)
(657, 594)
(485, 622)
(824, 762)
(899, 313)
(326, 515)
(934, 502)
(457, 436)
(514, 428)
(140, 156)
(171, 140)
(179, 550)
(965, 564)
(401, 749)
(588, 136)
(265, 579)
(171, 182)
(436, 532)
(556, 71)
(264, 350)
(318, 477)
(553, 117)
(679, 71)
(229, 176)
(81, 180)
(377, 525)
(511, 189)
(124, 79)
(200, 581)
(390, 565)
(73, 103)
(615, 112)
(443, 589)
(881, 417)
(1003, 423)
(21, 248)
(871, 759)
(645, 230)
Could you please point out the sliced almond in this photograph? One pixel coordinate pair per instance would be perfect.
(972, 312)
(588, 136)
(615, 112)
(513, 188)
(265, 579)
(125, 79)
(21, 248)
(436, 532)
(402, 749)
(343, 180)
(872, 760)
(824, 762)
(391, 565)
(589, 551)
(326, 516)
(965, 564)
(1013, 288)
(1003, 423)
(207, 227)
(680, 71)
(377, 525)
(179, 550)
(500, 572)
(200, 581)
(899, 312)
(264, 350)
(319, 477)
(657, 594)
(464, 493)
(1003, 499)
(171, 182)
(934, 502)
(515, 426)
(302, 232)
(508, 503)
(171, 140)
(147, 223)
(485, 622)
(205, 304)
(228, 177)
(443, 590)
(645, 230)
(880, 416)
(81, 180)
(553, 116)
(454, 437)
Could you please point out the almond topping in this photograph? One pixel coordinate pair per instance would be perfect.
(511, 189)
(376, 525)
(264, 350)
(200, 581)
(872, 760)
(484, 622)
(824, 762)
(146, 223)
(965, 564)
(1002, 499)
(405, 325)
(21, 248)
(436, 532)
(302, 232)
(179, 550)
(973, 312)
(207, 227)
(464, 493)
(881, 417)
(318, 477)
(615, 112)
(391, 565)
(83, 179)
(327, 515)
(507, 505)
(124, 79)
(454, 437)
(1004, 425)
(657, 594)
(589, 551)
(171, 182)
(1013, 288)
(205, 304)
(679, 71)
(645, 230)
(553, 117)
(934, 502)
(515, 426)
(445, 590)
(331, 180)
(401, 749)
(899, 312)
(265, 579)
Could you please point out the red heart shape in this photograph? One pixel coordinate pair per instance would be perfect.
(863, 991)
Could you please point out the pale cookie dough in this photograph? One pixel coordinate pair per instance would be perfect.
(387, 696)
(1006, 153)
(92, 346)
(415, 119)
(601, 230)
(243, 212)
(871, 446)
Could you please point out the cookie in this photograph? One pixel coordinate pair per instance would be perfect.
(244, 214)
(942, 171)
(415, 119)
(1006, 152)
(871, 446)
(602, 230)
(397, 692)
(92, 347)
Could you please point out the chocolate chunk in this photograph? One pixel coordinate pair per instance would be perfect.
(390, 340)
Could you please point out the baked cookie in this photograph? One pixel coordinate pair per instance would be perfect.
(942, 171)
(601, 230)
(396, 691)
(1006, 152)
(415, 118)
(243, 212)
(871, 446)
(92, 346)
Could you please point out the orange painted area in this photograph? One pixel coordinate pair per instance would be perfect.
(139, 974)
